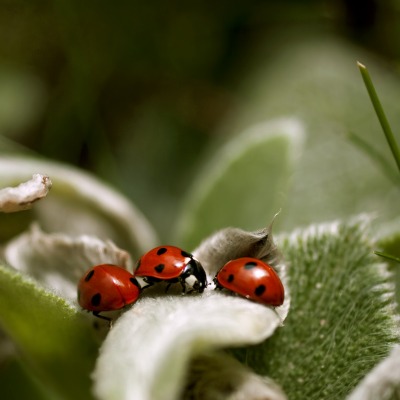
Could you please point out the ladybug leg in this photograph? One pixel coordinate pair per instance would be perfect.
(181, 281)
(183, 284)
(109, 320)
(170, 282)
(196, 287)
(149, 282)
(216, 283)
(168, 286)
(147, 286)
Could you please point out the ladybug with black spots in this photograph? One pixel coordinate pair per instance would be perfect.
(253, 279)
(172, 265)
(107, 287)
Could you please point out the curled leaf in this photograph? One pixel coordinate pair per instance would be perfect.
(216, 375)
(57, 260)
(146, 354)
(22, 197)
(81, 204)
(231, 243)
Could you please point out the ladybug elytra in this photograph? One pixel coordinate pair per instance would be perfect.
(172, 265)
(253, 279)
(107, 287)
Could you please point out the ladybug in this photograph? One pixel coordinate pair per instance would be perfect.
(107, 287)
(253, 279)
(172, 265)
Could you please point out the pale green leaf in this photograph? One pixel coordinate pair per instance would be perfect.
(317, 80)
(244, 184)
(147, 352)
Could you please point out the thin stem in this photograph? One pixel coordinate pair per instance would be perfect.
(387, 256)
(380, 113)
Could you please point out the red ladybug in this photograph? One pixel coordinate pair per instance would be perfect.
(252, 279)
(107, 287)
(171, 264)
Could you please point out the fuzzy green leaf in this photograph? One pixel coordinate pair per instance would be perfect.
(51, 336)
(244, 184)
(342, 317)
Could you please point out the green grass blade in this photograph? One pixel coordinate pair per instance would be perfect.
(387, 256)
(380, 113)
(390, 245)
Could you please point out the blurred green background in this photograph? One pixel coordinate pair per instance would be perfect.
(143, 93)
(137, 92)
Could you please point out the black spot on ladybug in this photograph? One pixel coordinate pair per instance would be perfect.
(96, 300)
(250, 265)
(89, 275)
(260, 289)
(159, 268)
(231, 277)
(161, 251)
(186, 254)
